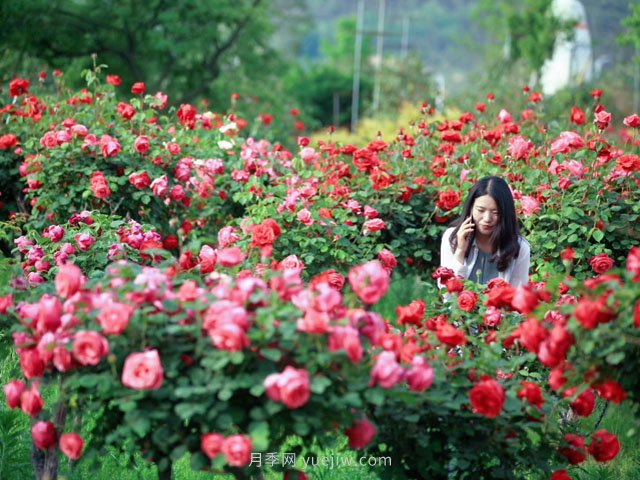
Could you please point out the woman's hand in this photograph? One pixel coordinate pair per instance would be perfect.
(464, 237)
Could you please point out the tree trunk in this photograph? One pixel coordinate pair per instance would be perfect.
(45, 464)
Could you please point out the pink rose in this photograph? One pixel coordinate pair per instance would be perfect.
(89, 347)
(492, 317)
(143, 371)
(228, 336)
(387, 371)
(292, 262)
(5, 302)
(387, 259)
(602, 117)
(84, 241)
(160, 186)
(360, 433)
(529, 205)
(373, 225)
(109, 146)
(12, 391)
(31, 363)
(237, 450)
(291, 387)
(304, 217)
(314, 322)
(68, 280)
(207, 258)
(141, 144)
(230, 257)
(632, 121)
(44, 435)
(227, 236)
(369, 281)
(348, 339)
(140, 180)
(114, 318)
(421, 375)
(71, 445)
(49, 313)
(211, 444)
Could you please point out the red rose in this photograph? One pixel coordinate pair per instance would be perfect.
(499, 296)
(487, 398)
(448, 200)
(143, 371)
(577, 116)
(140, 180)
(633, 263)
(524, 300)
(114, 80)
(575, 450)
(360, 433)
(450, 335)
(443, 274)
(604, 446)
(584, 404)
(44, 435)
(141, 144)
(187, 115)
(138, 88)
(31, 402)
(531, 334)
(99, 185)
(71, 445)
(18, 86)
(265, 233)
(532, 393)
(632, 121)
(7, 141)
(388, 259)
(560, 475)
(412, 313)
(601, 263)
(211, 444)
(611, 390)
(467, 300)
(636, 315)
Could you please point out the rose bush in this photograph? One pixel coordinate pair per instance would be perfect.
(208, 292)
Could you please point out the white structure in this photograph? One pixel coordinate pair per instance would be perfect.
(572, 61)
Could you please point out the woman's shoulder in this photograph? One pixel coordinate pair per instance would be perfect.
(524, 243)
(447, 232)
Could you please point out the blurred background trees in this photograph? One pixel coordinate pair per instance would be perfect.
(283, 54)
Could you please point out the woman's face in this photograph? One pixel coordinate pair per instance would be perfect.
(485, 215)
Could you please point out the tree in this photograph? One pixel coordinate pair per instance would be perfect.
(181, 48)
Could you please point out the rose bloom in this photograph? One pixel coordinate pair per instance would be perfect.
(12, 391)
(487, 398)
(68, 280)
(577, 115)
(71, 445)
(601, 263)
(611, 390)
(632, 121)
(140, 180)
(99, 185)
(532, 393)
(370, 281)
(412, 313)
(114, 318)
(386, 371)
(43, 435)
(360, 433)
(18, 86)
(265, 233)
(602, 117)
(492, 317)
(84, 241)
(211, 444)
(421, 375)
(31, 402)
(89, 347)
(373, 225)
(388, 259)
(450, 335)
(109, 146)
(575, 451)
(138, 88)
(229, 257)
(143, 371)
(237, 450)
(141, 144)
(467, 300)
(290, 387)
(448, 200)
(633, 263)
(604, 446)
(529, 205)
(348, 339)
(628, 163)
(227, 335)
(584, 404)
(113, 80)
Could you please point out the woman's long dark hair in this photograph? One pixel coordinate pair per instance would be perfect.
(504, 238)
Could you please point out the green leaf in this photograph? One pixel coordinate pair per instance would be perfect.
(319, 384)
(140, 426)
(259, 432)
(615, 358)
(272, 354)
(199, 461)
(598, 235)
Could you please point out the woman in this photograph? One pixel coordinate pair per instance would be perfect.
(485, 242)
